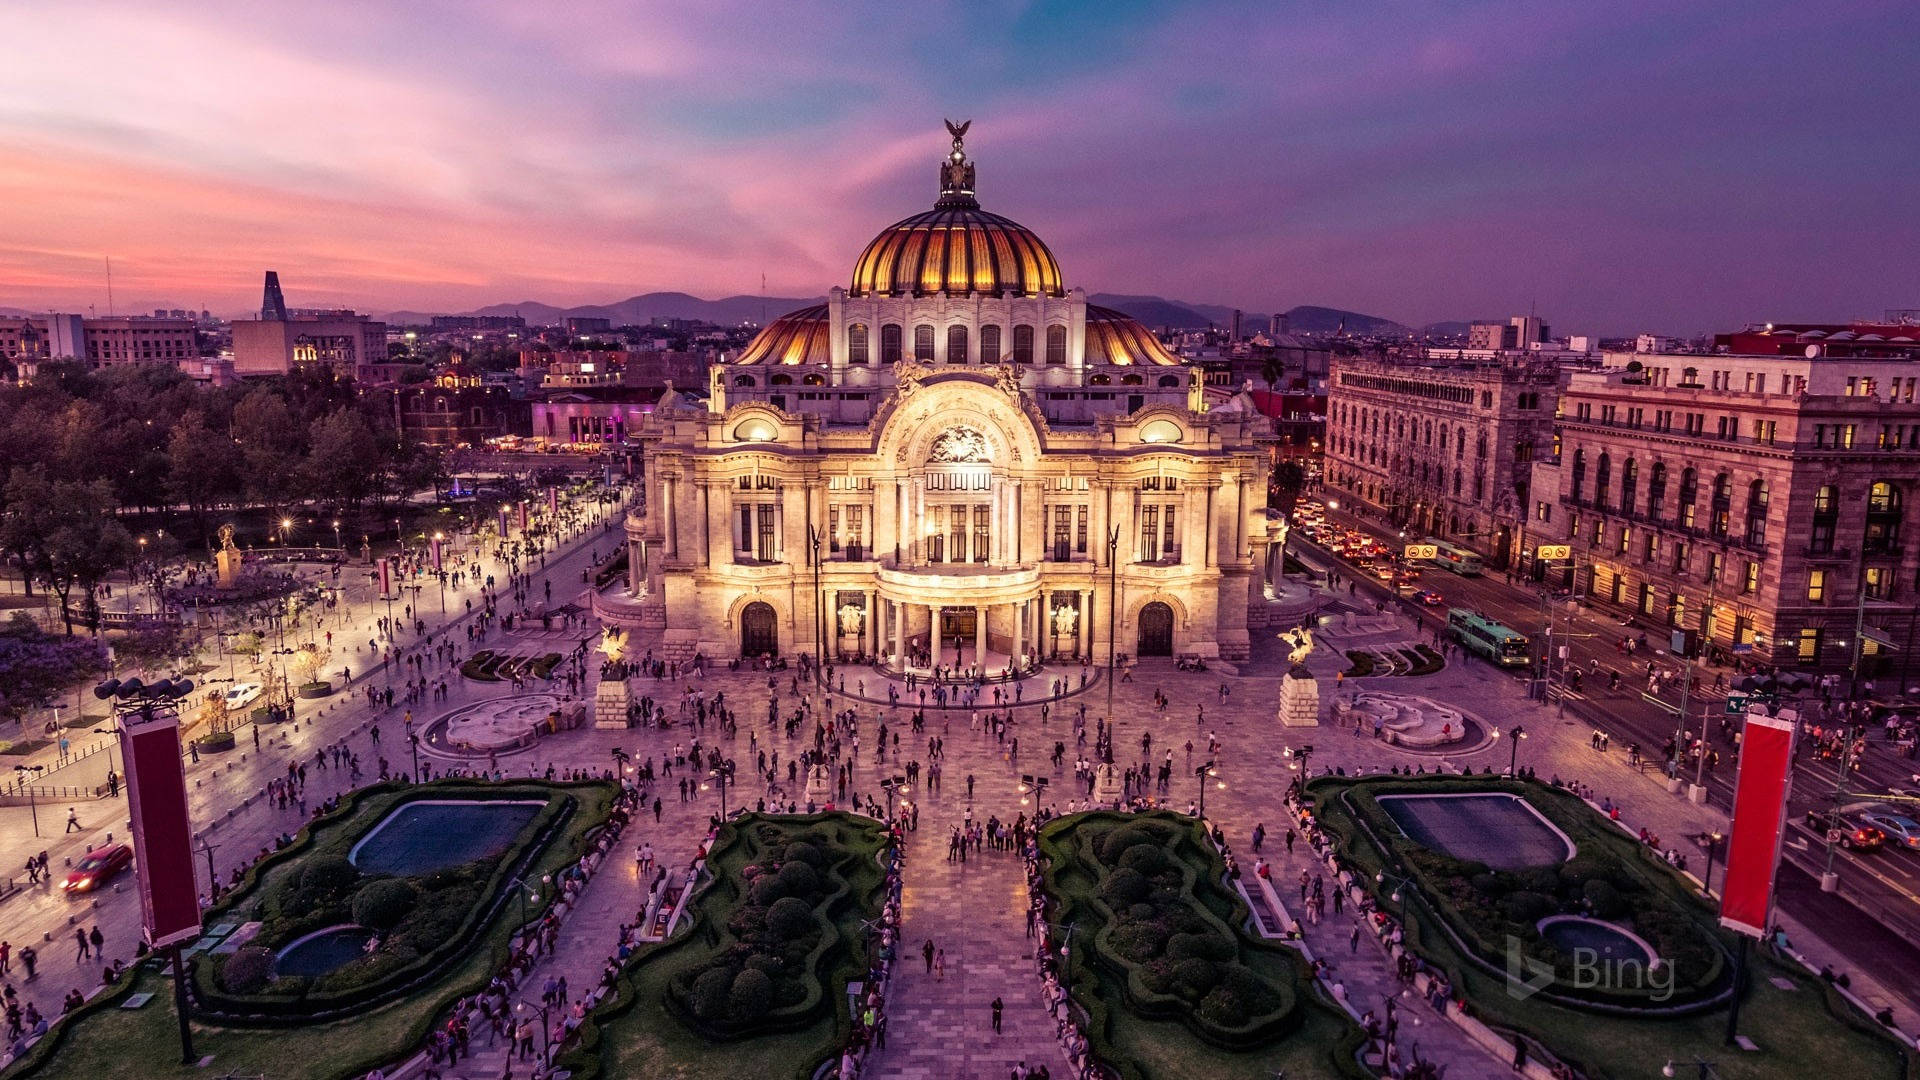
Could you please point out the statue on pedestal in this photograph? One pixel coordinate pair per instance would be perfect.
(819, 787)
(226, 561)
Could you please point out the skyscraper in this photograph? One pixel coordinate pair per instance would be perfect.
(273, 306)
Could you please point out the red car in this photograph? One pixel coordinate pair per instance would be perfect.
(98, 867)
(1430, 598)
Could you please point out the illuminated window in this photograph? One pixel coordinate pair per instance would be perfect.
(1817, 586)
(1809, 645)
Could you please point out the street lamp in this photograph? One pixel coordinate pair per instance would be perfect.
(286, 527)
(721, 776)
(26, 771)
(336, 535)
(107, 731)
(1113, 605)
(546, 1050)
(413, 744)
(1201, 772)
(1713, 847)
(1513, 750)
(1399, 883)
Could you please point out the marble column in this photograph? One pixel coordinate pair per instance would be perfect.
(1085, 644)
(1019, 635)
(899, 634)
(980, 635)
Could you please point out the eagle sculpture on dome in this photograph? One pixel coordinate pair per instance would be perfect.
(959, 132)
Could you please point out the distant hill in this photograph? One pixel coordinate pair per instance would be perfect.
(1157, 312)
(1445, 329)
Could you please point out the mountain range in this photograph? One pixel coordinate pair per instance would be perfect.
(1156, 312)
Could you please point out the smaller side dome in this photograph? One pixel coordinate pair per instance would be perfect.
(798, 337)
(1114, 337)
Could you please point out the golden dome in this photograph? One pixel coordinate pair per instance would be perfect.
(956, 247)
(798, 337)
(1114, 337)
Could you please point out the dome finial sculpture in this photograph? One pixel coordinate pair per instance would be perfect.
(956, 173)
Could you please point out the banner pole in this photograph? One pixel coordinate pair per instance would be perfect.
(187, 1056)
(1739, 987)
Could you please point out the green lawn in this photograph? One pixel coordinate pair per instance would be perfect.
(636, 1035)
(1802, 1032)
(108, 1043)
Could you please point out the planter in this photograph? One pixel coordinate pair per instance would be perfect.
(263, 714)
(217, 742)
(315, 690)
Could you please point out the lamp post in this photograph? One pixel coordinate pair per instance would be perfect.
(1513, 750)
(721, 777)
(107, 731)
(1713, 847)
(23, 775)
(1399, 883)
(336, 535)
(546, 1050)
(1113, 607)
(440, 573)
(413, 744)
(1202, 771)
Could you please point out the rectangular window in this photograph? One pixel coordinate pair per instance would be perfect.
(1808, 649)
(1149, 534)
(1646, 598)
(956, 534)
(1819, 436)
(1062, 517)
(1626, 539)
(1080, 535)
(1877, 580)
(890, 343)
(1846, 436)
(923, 344)
(982, 530)
(1751, 583)
(1023, 344)
(1056, 344)
(1816, 586)
(764, 550)
(833, 529)
(990, 345)
(1167, 546)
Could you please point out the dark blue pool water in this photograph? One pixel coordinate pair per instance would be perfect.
(323, 952)
(1606, 942)
(421, 837)
(1498, 830)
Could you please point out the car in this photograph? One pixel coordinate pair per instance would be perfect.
(1406, 587)
(1430, 598)
(97, 868)
(1384, 573)
(1849, 831)
(1900, 828)
(240, 695)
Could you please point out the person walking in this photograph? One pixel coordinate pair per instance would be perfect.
(98, 941)
(73, 820)
(80, 939)
(997, 1006)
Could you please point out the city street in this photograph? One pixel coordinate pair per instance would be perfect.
(1874, 918)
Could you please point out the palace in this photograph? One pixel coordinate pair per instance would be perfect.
(956, 461)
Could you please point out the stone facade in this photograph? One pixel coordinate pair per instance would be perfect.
(1443, 448)
(1754, 501)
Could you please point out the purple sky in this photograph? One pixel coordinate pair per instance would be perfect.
(1619, 166)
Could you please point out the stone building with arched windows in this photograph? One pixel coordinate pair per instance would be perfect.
(956, 460)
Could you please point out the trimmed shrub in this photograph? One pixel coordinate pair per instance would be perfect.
(790, 918)
(802, 852)
(1200, 947)
(799, 879)
(710, 994)
(1148, 859)
(1124, 887)
(248, 970)
(1526, 906)
(1137, 941)
(750, 997)
(382, 904)
(329, 876)
(1604, 900)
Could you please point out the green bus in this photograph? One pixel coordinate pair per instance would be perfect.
(1457, 559)
(1497, 643)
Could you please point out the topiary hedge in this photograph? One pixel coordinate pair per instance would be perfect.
(1608, 878)
(428, 922)
(1143, 890)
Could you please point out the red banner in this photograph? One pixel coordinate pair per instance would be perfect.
(437, 561)
(162, 833)
(386, 577)
(503, 523)
(523, 515)
(553, 500)
(1759, 822)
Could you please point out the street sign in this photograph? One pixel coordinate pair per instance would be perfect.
(1423, 551)
(1736, 704)
(1553, 552)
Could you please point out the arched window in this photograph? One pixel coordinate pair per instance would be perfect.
(1629, 485)
(1429, 433)
(1460, 442)
(857, 343)
(1603, 480)
(990, 344)
(1023, 344)
(813, 379)
(956, 344)
(1443, 436)
(1169, 380)
(781, 380)
(743, 380)
(890, 343)
(1132, 380)
(1579, 473)
(1657, 491)
(1689, 494)
(923, 343)
(1480, 446)
(1056, 344)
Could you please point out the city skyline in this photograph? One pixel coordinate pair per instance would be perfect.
(1617, 169)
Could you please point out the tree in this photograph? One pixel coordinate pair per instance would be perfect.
(23, 518)
(35, 666)
(203, 467)
(269, 443)
(342, 459)
(312, 659)
(84, 543)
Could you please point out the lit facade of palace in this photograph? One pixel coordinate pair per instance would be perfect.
(931, 465)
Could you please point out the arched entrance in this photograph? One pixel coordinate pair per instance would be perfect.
(757, 635)
(1156, 630)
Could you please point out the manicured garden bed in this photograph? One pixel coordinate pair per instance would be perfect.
(755, 984)
(1159, 959)
(1608, 1021)
(489, 666)
(104, 1042)
(1360, 663)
